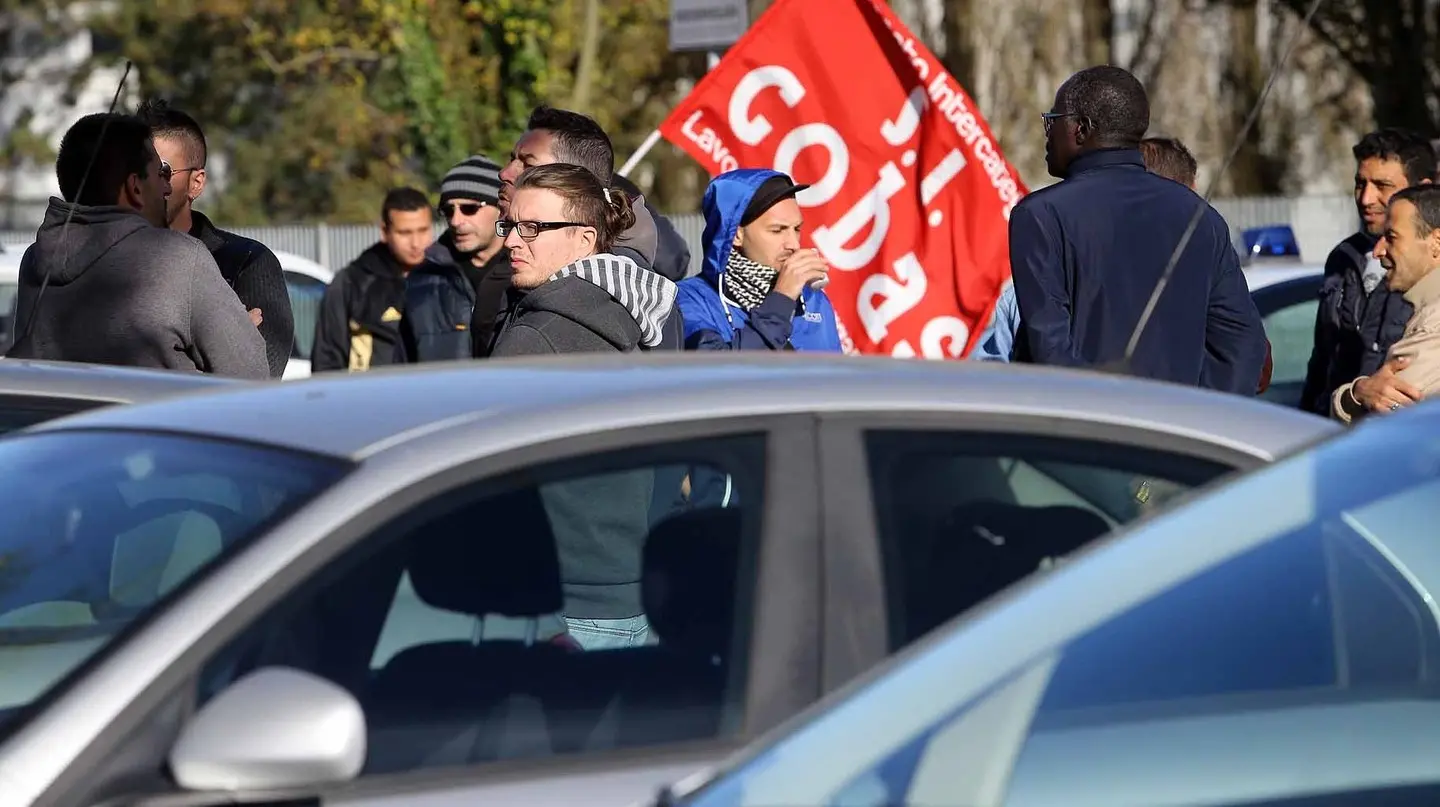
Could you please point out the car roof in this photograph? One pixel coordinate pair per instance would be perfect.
(10, 255)
(98, 382)
(1258, 276)
(290, 262)
(362, 414)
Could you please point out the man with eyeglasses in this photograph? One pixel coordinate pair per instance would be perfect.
(1087, 254)
(453, 299)
(251, 269)
(562, 136)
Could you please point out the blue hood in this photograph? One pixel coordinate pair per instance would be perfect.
(725, 202)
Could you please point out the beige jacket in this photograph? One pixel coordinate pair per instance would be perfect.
(1421, 343)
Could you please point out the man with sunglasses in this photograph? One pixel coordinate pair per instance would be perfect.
(249, 266)
(453, 299)
(1087, 254)
(107, 283)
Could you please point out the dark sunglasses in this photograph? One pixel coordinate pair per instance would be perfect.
(530, 230)
(1050, 117)
(166, 172)
(466, 208)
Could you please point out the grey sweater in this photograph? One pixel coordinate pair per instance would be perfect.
(122, 291)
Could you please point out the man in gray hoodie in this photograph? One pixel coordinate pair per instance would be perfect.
(107, 283)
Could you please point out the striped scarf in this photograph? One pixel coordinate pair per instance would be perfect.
(747, 282)
(647, 296)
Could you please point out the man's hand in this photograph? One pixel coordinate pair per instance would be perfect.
(801, 269)
(256, 316)
(1386, 391)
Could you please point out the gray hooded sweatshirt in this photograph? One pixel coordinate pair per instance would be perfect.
(604, 303)
(597, 304)
(123, 291)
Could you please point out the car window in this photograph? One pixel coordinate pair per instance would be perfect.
(9, 293)
(305, 295)
(1321, 626)
(595, 603)
(962, 516)
(1291, 331)
(96, 528)
(1313, 615)
(22, 411)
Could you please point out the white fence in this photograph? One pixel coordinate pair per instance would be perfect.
(1319, 223)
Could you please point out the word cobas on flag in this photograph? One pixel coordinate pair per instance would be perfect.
(910, 198)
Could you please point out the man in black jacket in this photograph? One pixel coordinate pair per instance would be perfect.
(1359, 317)
(250, 268)
(359, 323)
(454, 299)
(1087, 253)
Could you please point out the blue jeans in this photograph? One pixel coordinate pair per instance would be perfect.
(610, 634)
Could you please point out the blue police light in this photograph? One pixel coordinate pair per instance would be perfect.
(1270, 241)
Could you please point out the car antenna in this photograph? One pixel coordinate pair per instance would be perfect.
(1123, 365)
(24, 338)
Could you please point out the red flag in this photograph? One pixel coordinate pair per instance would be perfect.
(910, 198)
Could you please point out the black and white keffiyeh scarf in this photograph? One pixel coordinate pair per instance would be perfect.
(747, 282)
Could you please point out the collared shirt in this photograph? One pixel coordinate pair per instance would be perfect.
(998, 340)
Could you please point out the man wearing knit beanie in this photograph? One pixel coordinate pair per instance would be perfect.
(454, 299)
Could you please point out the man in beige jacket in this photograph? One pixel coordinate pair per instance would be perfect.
(1409, 249)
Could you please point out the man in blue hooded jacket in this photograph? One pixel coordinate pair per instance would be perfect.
(758, 289)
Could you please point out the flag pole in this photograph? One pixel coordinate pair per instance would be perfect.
(639, 154)
(712, 58)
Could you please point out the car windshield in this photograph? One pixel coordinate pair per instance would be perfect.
(97, 527)
(306, 293)
(1315, 576)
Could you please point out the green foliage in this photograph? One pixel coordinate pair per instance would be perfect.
(520, 36)
(432, 105)
(317, 107)
(21, 145)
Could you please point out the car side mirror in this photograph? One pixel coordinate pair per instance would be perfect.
(275, 728)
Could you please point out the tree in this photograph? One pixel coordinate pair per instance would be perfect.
(959, 40)
(1099, 32)
(1393, 45)
(319, 106)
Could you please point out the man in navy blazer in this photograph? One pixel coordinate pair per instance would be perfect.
(1087, 253)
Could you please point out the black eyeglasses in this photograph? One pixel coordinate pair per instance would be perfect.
(466, 208)
(1050, 117)
(530, 230)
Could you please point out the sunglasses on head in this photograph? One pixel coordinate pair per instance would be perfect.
(466, 208)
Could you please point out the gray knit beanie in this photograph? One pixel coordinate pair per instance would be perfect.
(477, 178)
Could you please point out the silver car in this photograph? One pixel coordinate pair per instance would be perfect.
(33, 392)
(535, 582)
(1276, 642)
